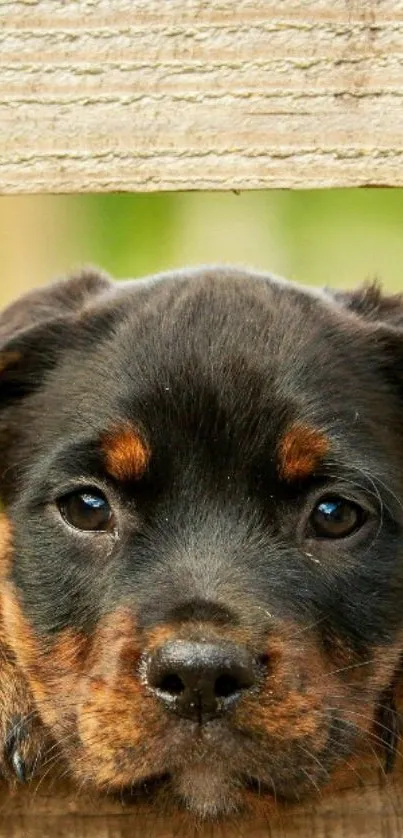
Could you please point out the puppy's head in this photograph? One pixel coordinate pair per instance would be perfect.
(203, 477)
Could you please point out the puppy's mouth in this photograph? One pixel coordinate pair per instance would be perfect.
(152, 785)
(222, 772)
(204, 781)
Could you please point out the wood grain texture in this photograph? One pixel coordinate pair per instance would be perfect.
(372, 811)
(200, 94)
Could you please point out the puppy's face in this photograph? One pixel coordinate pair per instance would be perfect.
(203, 478)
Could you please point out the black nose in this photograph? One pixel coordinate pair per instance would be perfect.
(200, 680)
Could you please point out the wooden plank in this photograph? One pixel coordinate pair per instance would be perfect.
(200, 94)
(373, 809)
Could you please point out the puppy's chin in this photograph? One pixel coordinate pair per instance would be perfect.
(207, 791)
(202, 792)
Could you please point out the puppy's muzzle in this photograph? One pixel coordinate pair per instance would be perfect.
(200, 680)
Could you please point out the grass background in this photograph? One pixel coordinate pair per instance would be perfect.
(329, 237)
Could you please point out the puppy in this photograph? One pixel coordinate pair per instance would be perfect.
(201, 557)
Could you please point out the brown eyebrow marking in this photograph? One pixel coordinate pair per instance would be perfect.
(300, 452)
(127, 454)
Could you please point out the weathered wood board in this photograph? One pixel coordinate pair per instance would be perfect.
(367, 813)
(200, 94)
(372, 809)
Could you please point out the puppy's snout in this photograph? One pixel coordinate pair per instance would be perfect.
(200, 680)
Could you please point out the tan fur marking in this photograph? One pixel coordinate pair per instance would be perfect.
(89, 694)
(51, 670)
(8, 359)
(160, 635)
(16, 698)
(300, 452)
(5, 545)
(126, 452)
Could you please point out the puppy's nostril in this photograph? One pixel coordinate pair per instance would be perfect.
(171, 684)
(226, 685)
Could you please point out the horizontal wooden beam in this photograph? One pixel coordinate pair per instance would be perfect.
(49, 809)
(200, 94)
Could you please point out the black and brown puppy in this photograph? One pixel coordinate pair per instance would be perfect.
(202, 562)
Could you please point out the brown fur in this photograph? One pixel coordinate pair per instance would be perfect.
(20, 728)
(5, 545)
(8, 359)
(300, 452)
(126, 453)
(93, 679)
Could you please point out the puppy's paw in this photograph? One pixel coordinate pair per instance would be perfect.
(22, 750)
(22, 736)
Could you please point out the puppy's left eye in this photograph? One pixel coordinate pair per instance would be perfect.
(336, 517)
(87, 510)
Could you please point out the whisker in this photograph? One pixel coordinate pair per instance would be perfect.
(349, 667)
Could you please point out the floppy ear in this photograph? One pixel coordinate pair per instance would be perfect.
(62, 298)
(36, 326)
(370, 304)
(33, 333)
(380, 318)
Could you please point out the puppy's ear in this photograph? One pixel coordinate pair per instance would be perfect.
(379, 317)
(37, 326)
(371, 305)
(63, 298)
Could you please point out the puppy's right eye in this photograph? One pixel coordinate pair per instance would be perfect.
(88, 510)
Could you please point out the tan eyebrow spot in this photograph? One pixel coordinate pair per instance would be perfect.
(300, 452)
(127, 454)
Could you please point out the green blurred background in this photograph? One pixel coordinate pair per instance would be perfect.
(329, 237)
